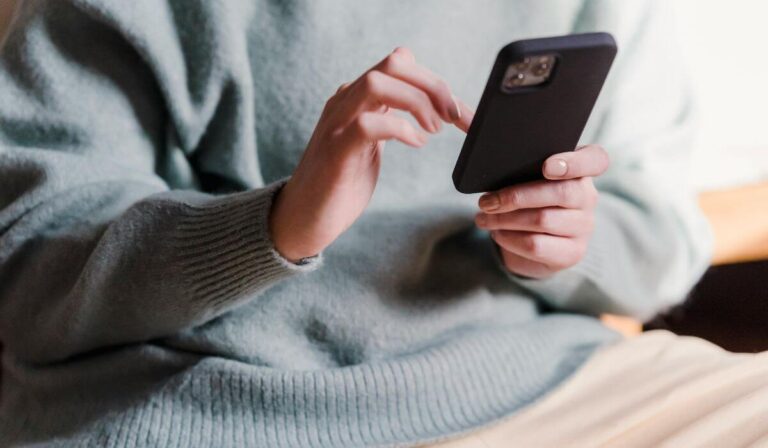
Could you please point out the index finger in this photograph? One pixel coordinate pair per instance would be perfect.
(402, 64)
(587, 161)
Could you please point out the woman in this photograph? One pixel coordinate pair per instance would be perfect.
(180, 268)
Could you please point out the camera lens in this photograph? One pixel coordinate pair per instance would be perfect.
(524, 64)
(515, 80)
(542, 69)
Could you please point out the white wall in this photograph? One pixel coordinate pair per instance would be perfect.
(726, 47)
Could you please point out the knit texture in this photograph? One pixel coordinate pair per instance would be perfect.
(142, 302)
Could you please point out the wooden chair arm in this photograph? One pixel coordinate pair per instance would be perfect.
(739, 220)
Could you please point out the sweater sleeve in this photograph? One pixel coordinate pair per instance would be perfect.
(96, 248)
(651, 242)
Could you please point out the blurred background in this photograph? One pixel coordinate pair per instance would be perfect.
(725, 45)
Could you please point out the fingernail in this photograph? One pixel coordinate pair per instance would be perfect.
(481, 220)
(489, 202)
(556, 168)
(456, 112)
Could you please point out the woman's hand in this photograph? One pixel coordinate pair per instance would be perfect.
(543, 227)
(337, 174)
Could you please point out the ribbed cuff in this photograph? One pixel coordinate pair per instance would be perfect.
(225, 249)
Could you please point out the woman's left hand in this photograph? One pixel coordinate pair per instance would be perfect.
(543, 227)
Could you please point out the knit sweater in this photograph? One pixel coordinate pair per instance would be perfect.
(142, 302)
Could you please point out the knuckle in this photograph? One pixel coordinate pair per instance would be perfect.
(423, 99)
(492, 220)
(567, 192)
(394, 61)
(329, 103)
(562, 190)
(342, 87)
(333, 133)
(543, 219)
(372, 81)
(441, 86)
(532, 244)
(360, 124)
(512, 198)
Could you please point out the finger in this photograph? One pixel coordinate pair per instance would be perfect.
(572, 193)
(466, 115)
(375, 89)
(402, 64)
(370, 127)
(343, 87)
(550, 220)
(557, 252)
(525, 267)
(587, 161)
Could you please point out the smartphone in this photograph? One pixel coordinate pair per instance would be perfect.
(536, 103)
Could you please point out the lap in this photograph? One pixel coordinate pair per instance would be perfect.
(656, 389)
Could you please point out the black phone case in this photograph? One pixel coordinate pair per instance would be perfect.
(512, 134)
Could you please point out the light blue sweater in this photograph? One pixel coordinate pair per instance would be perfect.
(143, 304)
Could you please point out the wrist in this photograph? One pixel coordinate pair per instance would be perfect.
(286, 235)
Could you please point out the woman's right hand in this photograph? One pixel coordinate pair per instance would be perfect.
(338, 171)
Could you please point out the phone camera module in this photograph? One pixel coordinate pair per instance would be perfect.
(543, 67)
(528, 72)
(523, 65)
(515, 80)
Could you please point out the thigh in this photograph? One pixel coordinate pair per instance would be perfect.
(656, 389)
